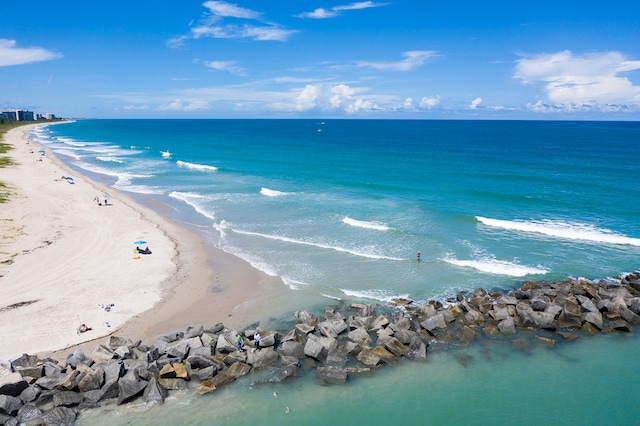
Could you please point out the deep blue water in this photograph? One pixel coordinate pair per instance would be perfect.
(339, 209)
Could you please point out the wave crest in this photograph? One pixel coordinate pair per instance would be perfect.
(559, 229)
(194, 166)
(364, 224)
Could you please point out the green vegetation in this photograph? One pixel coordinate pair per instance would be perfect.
(5, 126)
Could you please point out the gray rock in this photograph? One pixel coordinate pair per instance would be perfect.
(543, 320)
(113, 370)
(200, 374)
(67, 399)
(305, 317)
(435, 322)
(305, 329)
(508, 326)
(78, 357)
(102, 354)
(238, 369)
(332, 328)
(587, 305)
(60, 416)
(269, 339)
(360, 336)
(467, 335)
(194, 332)
(368, 358)
(173, 384)
(35, 372)
(318, 347)
(50, 381)
(380, 322)
(10, 405)
(225, 344)
(332, 375)
(154, 393)
(396, 347)
(629, 315)
(28, 413)
(129, 389)
(115, 342)
(594, 318)
(30, 394)
(262, 358)
(8, 420)
(202, 361)
(178, 349)
(291, 348)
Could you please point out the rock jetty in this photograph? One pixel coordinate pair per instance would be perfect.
(341, 343)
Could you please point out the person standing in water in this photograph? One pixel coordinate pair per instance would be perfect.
(418, 256)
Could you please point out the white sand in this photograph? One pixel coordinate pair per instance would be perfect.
(63, 256)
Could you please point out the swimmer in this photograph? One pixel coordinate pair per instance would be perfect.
(287, 410)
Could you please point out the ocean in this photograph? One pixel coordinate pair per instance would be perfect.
(336, 211)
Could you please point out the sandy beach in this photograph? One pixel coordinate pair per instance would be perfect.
(65, 261)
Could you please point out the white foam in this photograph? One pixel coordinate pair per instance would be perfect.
(497, 267)
(318, 245)
(559, 229)
(272, 193)
(374, 294)
(195, 201)
(363, 224)
(194, 166)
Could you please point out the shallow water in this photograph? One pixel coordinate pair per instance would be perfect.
(590, 381)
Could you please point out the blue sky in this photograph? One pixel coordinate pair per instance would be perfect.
(399, 59)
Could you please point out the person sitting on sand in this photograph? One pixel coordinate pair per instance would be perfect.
(83, 328)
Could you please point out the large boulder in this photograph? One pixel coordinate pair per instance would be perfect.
(433, 323)
(262, 358)
(154, 393)
(60, 416)
(67, 399)
(396, 347)
(318, 347)
(332, 328)
(10, 405)
(543, 320)
(332, 375)
(129, 389)
(359, 335)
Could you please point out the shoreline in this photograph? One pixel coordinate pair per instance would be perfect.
(66, 256)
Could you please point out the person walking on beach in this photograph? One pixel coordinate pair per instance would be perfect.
(256, 340)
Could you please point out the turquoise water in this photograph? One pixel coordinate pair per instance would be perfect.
(339, 209)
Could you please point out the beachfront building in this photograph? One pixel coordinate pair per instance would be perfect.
(24, 115)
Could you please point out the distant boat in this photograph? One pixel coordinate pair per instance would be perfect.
(166, 154)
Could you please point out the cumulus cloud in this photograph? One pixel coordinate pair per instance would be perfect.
(427, 102)
(474, 103)
(412, 59)
(574, 81)
(330, 97)
(322, 13)
(10, 54)
(212, 24)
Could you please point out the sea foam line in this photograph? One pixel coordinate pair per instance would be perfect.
(190, 199)
(194, 166)
(307, 243)
(363, 224)
(498, 267)
(272, 192)
(379, 295)
(570, 231)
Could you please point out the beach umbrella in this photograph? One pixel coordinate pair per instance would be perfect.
(139, 242)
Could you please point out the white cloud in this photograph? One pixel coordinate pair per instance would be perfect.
(474, 103)
(12, 55)
(322, 13)
(574, 81)
(328, 98)
(229, 66)
(179, 105)
(426, 102)
(412, 59)
(223, 9)
(212, 25)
